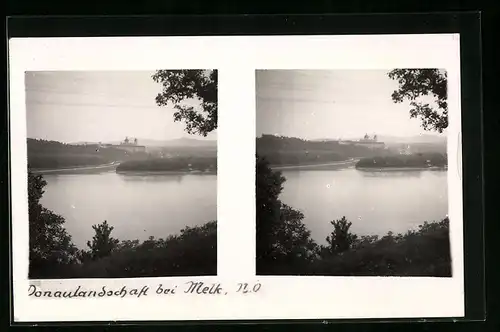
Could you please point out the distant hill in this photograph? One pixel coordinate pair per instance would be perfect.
(178, 142)
(426, 138)
(83, 143)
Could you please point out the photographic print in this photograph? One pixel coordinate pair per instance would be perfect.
(147, 186)
(122, 173)
(351, 174)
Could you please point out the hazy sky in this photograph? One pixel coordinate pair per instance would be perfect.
(330, 104)
(98, 106)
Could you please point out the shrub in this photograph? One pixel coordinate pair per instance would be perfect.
(341, 239)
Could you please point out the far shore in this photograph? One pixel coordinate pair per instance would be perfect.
(165, 173)
(76, 169)
(399, 169)
(318, 166)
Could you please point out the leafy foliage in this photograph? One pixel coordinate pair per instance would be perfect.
(50, 245)
(193, 252)
(421, 252)
(268, 187)
(417, 83)
(341, 239)
(280, 150)
(102, 243)
(182, 85)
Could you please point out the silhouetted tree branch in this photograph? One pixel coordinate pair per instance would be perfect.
(182, 85)
(417, 83)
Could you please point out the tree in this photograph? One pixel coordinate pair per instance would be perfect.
(284, 243)
(102, 244)
(179, 86)
(49, 243)
(417, 83)
(341, 239)
(268, 186)
(292, 238)
(279, 228)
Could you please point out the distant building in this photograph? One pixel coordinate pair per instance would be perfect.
(366, 141)
(405, 150)
(127, 146)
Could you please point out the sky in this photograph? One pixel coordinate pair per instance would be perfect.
(72, 106)
(335, 104)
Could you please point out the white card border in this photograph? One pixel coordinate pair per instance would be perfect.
(237, 58)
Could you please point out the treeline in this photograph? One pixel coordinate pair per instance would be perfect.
(414, 160)
(184, 151)
(286, 158)
(53, 255)
(419, 147)
(181, 164)
(43, 154)
(280, 150)
(285, 246)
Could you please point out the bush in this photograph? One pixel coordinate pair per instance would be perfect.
(102, 244)
(425, 252)
(341, 239)
(191, 253)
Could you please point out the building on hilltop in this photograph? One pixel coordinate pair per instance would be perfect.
(366, 141)
(127, 145)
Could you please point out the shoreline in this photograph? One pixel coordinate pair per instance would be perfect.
(75, 169)
(399, 169)
(323, 166)
(164, 173)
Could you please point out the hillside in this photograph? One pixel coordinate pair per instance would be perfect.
(178, 142)
(296, 151)
(43, 154)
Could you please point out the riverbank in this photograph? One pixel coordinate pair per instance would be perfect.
(322, 166)
(401, 169)
(121, 172)
(78, 169)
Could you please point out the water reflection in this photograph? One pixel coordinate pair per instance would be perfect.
(151, 178)
(391, 174)
(375, 202)
(137, 206)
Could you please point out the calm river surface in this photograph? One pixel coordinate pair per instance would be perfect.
(375, 202)
(137, 206)
(159, 205)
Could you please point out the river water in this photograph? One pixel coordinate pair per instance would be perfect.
(136, 206)
(375, 202)
(159, 205)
